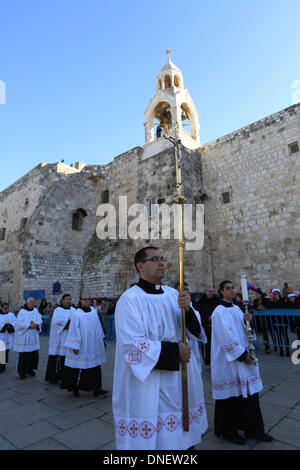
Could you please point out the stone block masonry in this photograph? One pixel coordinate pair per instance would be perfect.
(248, 182)
(258, 230)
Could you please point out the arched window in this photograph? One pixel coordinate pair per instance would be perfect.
(162, 119)
(2, 233)
(185, 117)
(167, 81)
(105, 196)
(77, 219)
(176, 81)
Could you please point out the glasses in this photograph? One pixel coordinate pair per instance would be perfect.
(86, 298)
(155, 259)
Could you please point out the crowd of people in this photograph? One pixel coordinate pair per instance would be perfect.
(147, 387)
(272, 327)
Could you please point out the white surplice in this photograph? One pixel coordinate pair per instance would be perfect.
(86, 335)
(147, 402)
(58, 335)
(7, 338)
(230, 377)
(26, 339)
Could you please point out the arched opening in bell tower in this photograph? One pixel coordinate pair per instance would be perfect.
(186, 119)
(176, 81)
(167, 81)
(162, 119)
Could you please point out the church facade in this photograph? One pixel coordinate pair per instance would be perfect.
(247, 181)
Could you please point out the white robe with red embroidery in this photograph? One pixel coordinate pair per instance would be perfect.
(230, 377)
(147, 402)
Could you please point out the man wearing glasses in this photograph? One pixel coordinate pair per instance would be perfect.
(85, 351)
(147, 394)
(205, 306)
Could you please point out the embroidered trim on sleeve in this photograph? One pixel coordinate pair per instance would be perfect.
(230, 348)
(236, 382)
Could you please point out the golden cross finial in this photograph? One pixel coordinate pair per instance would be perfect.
(168, 51)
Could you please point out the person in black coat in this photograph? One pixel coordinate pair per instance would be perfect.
(205, 306)
(263, 322)
(291, 304)
(280, 323)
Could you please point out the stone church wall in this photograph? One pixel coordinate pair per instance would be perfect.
(17, 203)
(108, 265)
(257, 232)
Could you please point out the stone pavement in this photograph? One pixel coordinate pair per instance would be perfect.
(35, 415)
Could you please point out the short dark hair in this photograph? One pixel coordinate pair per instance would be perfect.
(141, 256)
(4, 304)
(222, 285)
(65, 295)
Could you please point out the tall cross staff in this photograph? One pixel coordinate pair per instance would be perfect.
(180, 200)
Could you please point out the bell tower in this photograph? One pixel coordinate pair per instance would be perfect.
(170, 111)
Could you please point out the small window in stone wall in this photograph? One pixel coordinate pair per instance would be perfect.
(23, 222)
(2, 233)
(77, 219)
(105, 196)
(226, 198)
(293, 147)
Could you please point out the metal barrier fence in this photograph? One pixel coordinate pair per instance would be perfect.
(277, 328)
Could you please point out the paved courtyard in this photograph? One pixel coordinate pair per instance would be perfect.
(35, 415)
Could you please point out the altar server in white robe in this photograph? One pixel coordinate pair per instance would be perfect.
(147, 391)
(85, 351)
(27, 341)
(7, 334)
(58, 334)
(236, 380)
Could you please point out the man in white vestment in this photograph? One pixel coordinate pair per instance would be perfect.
(58, 334)
(27, 341)
(147, 392)
(236, 379)
(85, 351)
(7, 333)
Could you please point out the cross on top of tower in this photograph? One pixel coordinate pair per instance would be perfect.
(168, 52)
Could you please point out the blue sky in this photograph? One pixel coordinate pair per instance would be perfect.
(79, 74)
